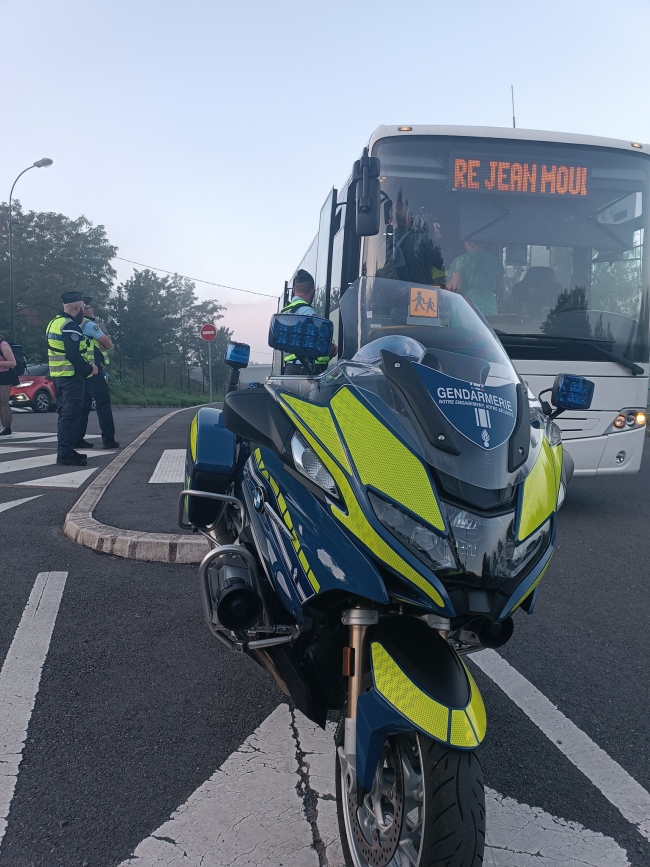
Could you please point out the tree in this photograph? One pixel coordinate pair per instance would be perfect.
(141, 323)
(52, 254)
(160, 317)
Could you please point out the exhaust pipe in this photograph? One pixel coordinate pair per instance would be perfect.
(238, 605)
(495, 633)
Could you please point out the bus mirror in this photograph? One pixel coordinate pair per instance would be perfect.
(302, 336)
(572, 392)
(365, 174)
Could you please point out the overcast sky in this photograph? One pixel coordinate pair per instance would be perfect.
(205, 135)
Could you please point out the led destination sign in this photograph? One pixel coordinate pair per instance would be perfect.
(492, 175)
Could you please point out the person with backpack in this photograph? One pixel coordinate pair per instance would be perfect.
(7, 380)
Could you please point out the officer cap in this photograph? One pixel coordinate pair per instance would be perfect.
(303, 276)
(87, 300)
(71, 297)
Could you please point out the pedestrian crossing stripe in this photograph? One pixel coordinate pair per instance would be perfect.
(72, 481)
(170, 468)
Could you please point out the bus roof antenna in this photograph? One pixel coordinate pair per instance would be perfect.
(512, 96)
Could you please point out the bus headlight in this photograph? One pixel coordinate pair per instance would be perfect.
(628, 419)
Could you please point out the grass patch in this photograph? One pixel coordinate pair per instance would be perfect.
(127, 394)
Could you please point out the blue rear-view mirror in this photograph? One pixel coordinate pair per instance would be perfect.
(572, 392)
(302, 336)
(237, 355)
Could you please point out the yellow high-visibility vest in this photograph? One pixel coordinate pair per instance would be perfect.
(59, 364)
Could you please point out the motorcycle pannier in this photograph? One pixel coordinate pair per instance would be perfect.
(210, 463)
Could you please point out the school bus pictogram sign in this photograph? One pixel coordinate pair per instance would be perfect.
(423, 302)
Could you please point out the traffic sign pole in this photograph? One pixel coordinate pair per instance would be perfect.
(208, 333)
(210, 366)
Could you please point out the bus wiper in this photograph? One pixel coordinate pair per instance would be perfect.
(589, 341)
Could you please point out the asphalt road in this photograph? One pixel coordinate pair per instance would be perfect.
(138, 705)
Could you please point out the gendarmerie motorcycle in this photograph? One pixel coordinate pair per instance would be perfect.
(369, 527)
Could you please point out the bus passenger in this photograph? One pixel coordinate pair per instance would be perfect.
(478, 275)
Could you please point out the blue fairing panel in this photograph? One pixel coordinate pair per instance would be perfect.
(319, 556)
(210, 463)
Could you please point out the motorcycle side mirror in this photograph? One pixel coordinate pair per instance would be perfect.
(568, 392)
(306, 337)
(365, 174)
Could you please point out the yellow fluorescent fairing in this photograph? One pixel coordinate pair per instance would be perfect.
(539, 496)
(286, 517)
(319, 420)
(356, 521)
(462, 727)
(194, 432)
(383, 462)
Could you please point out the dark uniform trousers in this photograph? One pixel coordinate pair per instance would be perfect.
(97, 388)
(69, 403)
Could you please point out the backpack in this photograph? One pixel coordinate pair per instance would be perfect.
(21, 359)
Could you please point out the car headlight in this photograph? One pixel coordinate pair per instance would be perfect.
(426, 544)
(24, 384)
(310, 465)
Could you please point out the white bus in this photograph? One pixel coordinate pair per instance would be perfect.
(561, 221)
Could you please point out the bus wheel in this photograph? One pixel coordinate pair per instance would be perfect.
(426, 807)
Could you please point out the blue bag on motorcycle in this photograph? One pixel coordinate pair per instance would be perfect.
(210, 463)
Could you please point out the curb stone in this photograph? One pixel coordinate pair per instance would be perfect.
(82, 528)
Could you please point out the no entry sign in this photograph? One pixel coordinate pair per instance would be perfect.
(208, 332)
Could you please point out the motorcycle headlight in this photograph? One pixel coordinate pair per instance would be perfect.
(310, 465)
(424, 543)
(486, 547)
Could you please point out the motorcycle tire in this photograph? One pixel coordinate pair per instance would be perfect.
(426, 807)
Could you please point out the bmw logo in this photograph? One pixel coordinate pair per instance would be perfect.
(258, 499)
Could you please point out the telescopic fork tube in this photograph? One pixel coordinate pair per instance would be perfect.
(358, 619)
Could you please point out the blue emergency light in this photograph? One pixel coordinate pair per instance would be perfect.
(572, 392)
(303, 336)
(237, 355)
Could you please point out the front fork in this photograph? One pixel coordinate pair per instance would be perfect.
(355, 666)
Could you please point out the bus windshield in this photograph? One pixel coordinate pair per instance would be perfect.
(546, 240)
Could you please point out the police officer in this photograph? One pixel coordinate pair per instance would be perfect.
(97, 385)
(302, 296)
(66, 346)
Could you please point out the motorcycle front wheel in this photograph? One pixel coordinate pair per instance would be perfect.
(426, 807)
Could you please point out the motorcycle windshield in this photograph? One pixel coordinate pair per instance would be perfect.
(458, 359)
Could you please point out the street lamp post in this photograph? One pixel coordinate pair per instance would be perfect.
(39, 164)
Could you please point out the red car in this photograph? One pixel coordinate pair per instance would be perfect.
(35, 390)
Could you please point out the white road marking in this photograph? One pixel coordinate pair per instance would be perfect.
(52, 438)
(7, 450)
(620, 789)
(64, 480)
(170, 467)
(20, 678)
(250, 813)
(35, 463)
(4, 507)
(26, 434)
